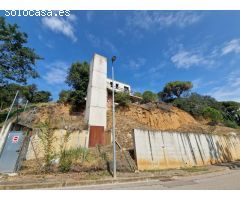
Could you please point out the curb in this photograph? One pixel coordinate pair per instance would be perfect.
(56, 185)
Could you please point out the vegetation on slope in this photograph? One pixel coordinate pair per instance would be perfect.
(178, 93)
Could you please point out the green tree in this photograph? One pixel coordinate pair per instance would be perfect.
(206, 106)
(149, 96)
(122, 98)
(77, 78)
(196, 103)
(16, 60)
(42, 97)
(64, 96)
(29, 92)
(176, 88)
(7, 94)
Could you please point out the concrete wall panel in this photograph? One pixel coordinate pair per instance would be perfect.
(76, 139)
(144, 151)
(161, 150)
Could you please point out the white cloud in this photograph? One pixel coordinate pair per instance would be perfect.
(232, 46)
(136, 64)
(185, 59)
(207, 57)
(159, 19)
(230, 90)
(201, 83)
(56, 73)
(234, 79)
(101, 43)
(61, 25)
(157, 68)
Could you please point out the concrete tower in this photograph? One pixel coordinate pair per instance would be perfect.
(96, 104)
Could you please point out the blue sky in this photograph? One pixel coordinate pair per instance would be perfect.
(152, 48)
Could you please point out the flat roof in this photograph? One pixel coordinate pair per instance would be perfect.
(108, 79)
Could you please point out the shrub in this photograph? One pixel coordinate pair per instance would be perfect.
(138, 94)
(65, 162)
(206, 106)
(231, 111)
(231, 124)
(64, 96)
(213, 114)
(122, 98)
(149, 96)
(69, 157)
(196, 103)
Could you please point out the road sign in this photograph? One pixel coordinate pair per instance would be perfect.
(15, 139)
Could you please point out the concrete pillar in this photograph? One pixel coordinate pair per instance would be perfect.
(96, 104)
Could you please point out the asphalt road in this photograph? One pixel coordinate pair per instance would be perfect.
(225, 180)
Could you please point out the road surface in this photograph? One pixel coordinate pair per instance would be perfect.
(224, 180)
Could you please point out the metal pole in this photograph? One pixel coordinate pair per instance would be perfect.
(113, 124)
(11, 107)
(25, 106)
(17, 108)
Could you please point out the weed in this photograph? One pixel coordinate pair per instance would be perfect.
(65, 162)
(47, 139)
(194, 169)
(72, 156)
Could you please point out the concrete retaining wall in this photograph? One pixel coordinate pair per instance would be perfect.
(162, 150)
(75, 140)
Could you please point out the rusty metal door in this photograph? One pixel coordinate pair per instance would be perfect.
(96, 136)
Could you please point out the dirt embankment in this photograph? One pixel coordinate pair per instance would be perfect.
(152, 117)
(58, 115)
(161, 117)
